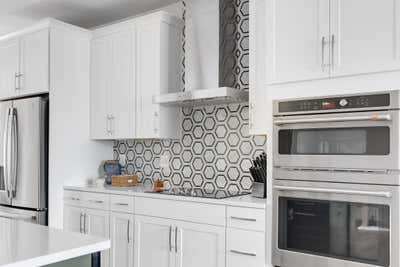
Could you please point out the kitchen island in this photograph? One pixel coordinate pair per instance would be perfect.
(27, 244)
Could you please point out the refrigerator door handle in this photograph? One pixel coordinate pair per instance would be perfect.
(6, 139)
(14, 152)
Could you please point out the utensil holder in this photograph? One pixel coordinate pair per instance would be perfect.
(259, 190)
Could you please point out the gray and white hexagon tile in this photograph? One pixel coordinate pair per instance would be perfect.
(215, 151)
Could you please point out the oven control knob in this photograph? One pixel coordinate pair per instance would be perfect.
(343, 102)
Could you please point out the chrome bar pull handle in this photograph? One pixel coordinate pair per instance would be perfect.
(80, 223)
(84, 224)
(323, 44)
(243, 219)
(243, 253)
(170, 239)
(128, 231)
(334, 191)
(333, 40)
(176, 239)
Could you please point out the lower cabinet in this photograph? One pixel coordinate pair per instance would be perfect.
(97, 223)
(121, 232)
(199, 245)
(88, 221)
(172, 243)
(154, 242)
(151, 232)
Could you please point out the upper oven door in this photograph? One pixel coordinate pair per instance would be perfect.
(332, 224)
(363, 140)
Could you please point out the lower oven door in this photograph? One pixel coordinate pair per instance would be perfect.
(340, 225)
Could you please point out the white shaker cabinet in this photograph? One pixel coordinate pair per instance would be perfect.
(365, 36)
(113, 85)
(97, 223)
(24, 67)
(297, 40)
(154, 242)
(9, 67)
(316, 39)
(131, 62)
(173, 243)
(34, 63)
(73, 219)
(191, 236)
(121, 231)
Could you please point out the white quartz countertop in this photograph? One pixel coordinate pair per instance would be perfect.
(142, 191)
(26, 244)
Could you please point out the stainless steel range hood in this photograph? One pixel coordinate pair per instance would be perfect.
(201, 97)
(209, 60)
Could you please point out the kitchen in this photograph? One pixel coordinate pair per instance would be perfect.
(193, 104)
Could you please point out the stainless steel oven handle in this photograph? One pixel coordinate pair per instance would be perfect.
(384, 117)
(335, 191)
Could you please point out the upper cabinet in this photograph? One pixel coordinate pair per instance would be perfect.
(315, 39)
(24, 64)
(130, 63)
(365, 36)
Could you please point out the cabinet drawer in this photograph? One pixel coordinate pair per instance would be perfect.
(246, 218)
(73, 198)
(245, 248)
(122, 203)
(181, 210)
(96, 201)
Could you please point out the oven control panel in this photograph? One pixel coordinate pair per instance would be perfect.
(335, 103)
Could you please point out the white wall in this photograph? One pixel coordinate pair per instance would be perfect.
(73, 157)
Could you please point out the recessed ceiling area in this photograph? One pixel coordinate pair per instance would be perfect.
(16, 14)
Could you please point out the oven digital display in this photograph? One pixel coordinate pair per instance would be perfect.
(348, 102)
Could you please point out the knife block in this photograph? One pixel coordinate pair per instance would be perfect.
(259, 190)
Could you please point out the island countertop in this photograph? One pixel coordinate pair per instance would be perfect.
(26, 244)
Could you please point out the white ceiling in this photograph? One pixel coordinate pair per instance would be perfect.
(16, 14)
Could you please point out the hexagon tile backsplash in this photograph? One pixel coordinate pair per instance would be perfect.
(214, 152)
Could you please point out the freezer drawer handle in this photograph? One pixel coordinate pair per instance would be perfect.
(243, 219)
(243, 253)
(385, 117)
(335, 191)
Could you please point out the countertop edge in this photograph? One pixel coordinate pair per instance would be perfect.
(240, 201)
(63, 255)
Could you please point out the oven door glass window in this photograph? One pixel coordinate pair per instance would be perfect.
(335, 141)
(349, 231)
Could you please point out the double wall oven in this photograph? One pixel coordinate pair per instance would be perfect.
(337, 181)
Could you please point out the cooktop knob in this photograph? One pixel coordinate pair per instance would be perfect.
(343, 102)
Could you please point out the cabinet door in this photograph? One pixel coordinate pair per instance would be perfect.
(122, 227)
(192, 238)
(366, 36)
(148, 78)
(153, 242)
(34, 58)
(123, 85)
(297, 43)
(100, 92)
(73, 219)
(9, 68)
(97, 223)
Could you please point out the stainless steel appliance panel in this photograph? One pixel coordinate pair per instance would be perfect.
(367, 140)
(37, 217)
(335, 224)
(30, 182)
(4, 186)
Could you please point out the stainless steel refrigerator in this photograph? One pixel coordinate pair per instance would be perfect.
(23, 159)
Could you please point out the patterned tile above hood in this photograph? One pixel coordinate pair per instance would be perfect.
(215, 151)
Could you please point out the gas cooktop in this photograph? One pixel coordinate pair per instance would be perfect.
(200, 192)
